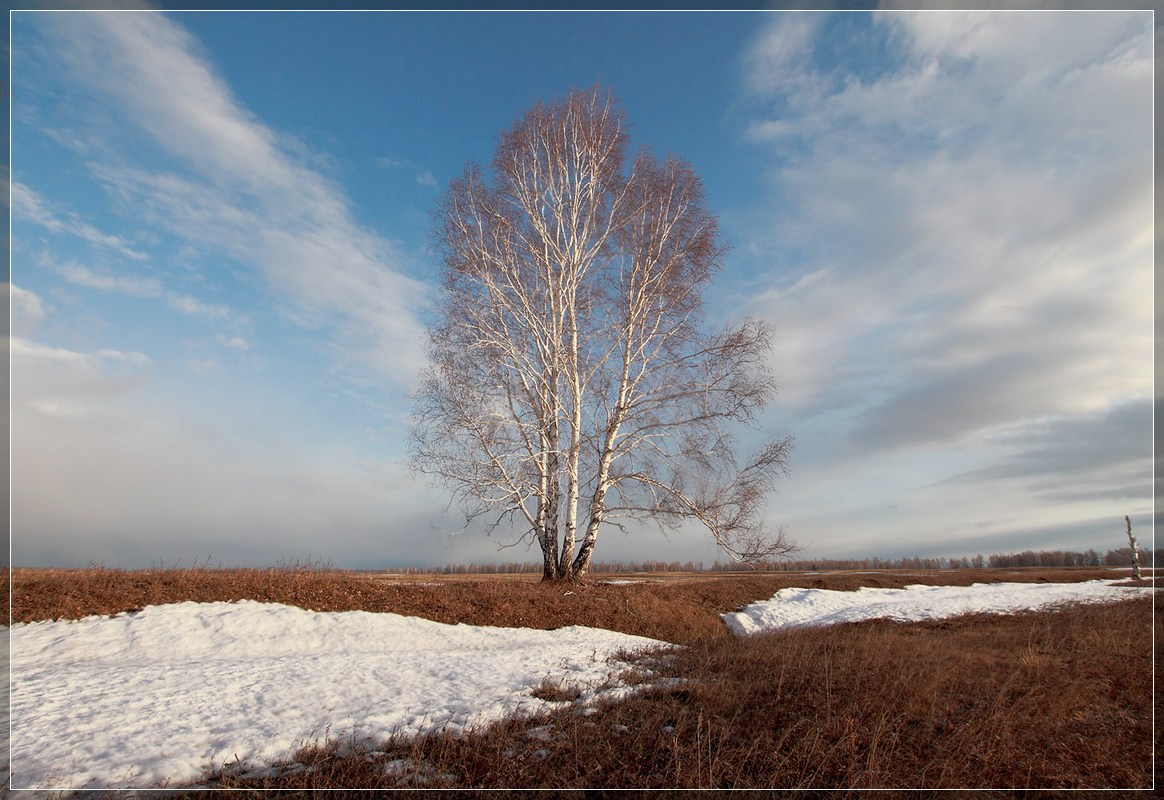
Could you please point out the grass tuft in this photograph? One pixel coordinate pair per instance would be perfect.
(556, 692)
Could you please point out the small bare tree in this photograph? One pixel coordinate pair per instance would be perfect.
(570, 380)
(1135, 548)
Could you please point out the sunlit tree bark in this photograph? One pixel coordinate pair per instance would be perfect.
(571, 382)
(1134, 547)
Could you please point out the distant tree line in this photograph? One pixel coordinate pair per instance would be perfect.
(823, 564)
(531, 568)
(1120, 557)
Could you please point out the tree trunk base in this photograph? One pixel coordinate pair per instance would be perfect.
(571, 579)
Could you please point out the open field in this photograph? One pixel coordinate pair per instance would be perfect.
(674, 607)
(1055, 700)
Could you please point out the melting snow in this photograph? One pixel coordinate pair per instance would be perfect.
(140, 699)
(153, 698)
(791, 608)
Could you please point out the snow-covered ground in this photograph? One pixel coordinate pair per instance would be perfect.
(139, 699)
(790, 608)
(144, 699)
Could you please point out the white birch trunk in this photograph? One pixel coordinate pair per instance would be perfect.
(1135, 549)
(563, 268)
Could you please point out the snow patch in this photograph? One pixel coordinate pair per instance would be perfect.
(138, 700)
(154, 697)
(793, 608)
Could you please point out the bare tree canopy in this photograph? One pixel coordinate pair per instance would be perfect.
(571, 382)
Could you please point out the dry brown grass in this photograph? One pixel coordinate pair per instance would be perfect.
(1034, 701)
(675, 608)
(1057, 700)
(670, 612)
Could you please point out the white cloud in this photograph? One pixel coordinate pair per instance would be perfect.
(136, 286)
(234, 343)
(27, 310)
(123, 284)
(777, 63)
(195, 307)
(59, 381)
(132, 488)
(1027, 44)
(236, 188)
(1101, 454)
(29, 205)
(111, 463)
(958, 235)
(961, 250)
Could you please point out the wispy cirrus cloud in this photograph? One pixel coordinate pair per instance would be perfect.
(238, 226)
(28, 204)
(123, 284)
(424, 176)
(234, 343)
(959, 254)
(146, 287)
(983, 219)
(233, 185)
(778, 62)
(1097, 455)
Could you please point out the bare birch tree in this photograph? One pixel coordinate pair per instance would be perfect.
(1134, 547)
(571, 382)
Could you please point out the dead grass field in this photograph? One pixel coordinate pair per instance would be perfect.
(1037, 701)
(674, 607)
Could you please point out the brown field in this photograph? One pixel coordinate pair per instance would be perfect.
(674, 607)
(1051, 700)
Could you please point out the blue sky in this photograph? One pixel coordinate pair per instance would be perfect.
(221, 267)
